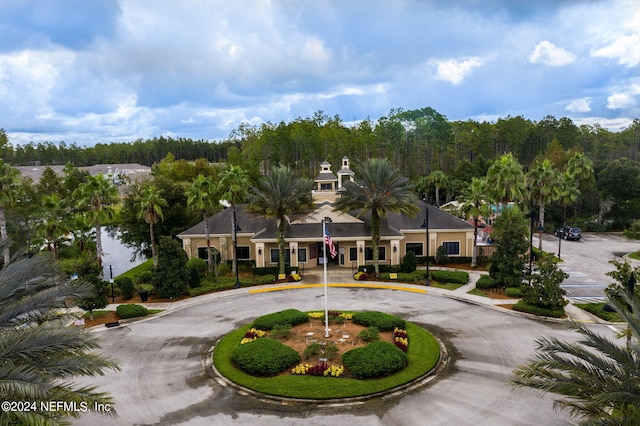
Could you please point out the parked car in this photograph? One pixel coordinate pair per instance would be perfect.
(569, 233)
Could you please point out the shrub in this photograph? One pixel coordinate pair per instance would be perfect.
(126, 287)
(513, 292)
(455, 277)
(198, 264)
(293, 277)
(264, 279)
(280, 331)
(264, 357)
(315, 349)
(486, 282)
(441, 255)
(369, 334)
(523, 306)
(288, 316)
(380, 320)
(131, 311)
(377, 359)
(409, 263)
(144, 277)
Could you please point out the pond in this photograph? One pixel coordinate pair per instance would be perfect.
(116, 255)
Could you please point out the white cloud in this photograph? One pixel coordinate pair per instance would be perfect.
(624, 48)
(579, 105)
(549, 54)
(623, 43)
(624, 99)
(456, 71)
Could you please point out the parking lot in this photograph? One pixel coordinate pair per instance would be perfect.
(587, 261)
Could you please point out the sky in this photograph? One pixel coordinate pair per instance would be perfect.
(104, 71)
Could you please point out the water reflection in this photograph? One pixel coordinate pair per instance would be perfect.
(116, 255)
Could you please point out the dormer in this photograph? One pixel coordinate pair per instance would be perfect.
(345, 173)
(326, 180)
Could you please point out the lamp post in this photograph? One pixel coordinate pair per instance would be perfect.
(425, 225)
(234, 237)
(113, 295)
(559, 243)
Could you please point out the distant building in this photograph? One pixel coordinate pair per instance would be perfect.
(352, 236)
(119, 173)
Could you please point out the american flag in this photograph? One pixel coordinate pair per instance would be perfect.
(329, 242)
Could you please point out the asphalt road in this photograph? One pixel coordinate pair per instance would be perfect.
(587, 261)
(164, 381)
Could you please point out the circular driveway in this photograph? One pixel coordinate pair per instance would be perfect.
(163, 379)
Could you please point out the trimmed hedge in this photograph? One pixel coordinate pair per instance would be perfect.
(523, 306)
(264, 357)
(288, 316)
(486, 282)
(380, 320)
(377, 359)
(126, 287)
(455, 277)
(413, 277)
(131, 311)
(514, 292)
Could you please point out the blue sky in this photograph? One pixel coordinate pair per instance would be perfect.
(119, 70)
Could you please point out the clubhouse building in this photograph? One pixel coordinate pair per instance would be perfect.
(256, 236)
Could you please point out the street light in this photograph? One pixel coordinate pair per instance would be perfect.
(425, 225)
(234, 238)
(113, 295)
(559, 243)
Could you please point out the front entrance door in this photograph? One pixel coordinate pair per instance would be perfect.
(330, 260)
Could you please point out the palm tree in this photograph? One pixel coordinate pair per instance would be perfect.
(41, 355)
(544, 184)
(53, 222)
(202, 196)
(569, 194)
(505, 180)
(598, 379)
(280, 195)
(96, 197)
(150, 204)
(474, 203)
(380, 189)
(233, 187)
(9, 182)
(439, 180)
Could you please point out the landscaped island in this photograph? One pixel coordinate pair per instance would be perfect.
(286, 354)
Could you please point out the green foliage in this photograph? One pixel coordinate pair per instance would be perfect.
(510, 231)
(288, 316)
(441, 256)
(380, 320)
(264, 357)
(514, 292)
(377, 359)
(280, 331)
(409, 263)
(486, 282)
(198, 264)
(597, 309)
(633, 231)
(456, 277)
(145, 277)
(315, 349)
(413, 277)
(42, 357)
(621, 274)
(369, 334)
(544, 289)
(131, 311)
(90, 273)
(523, 306)
(126, 287)
(171, 276)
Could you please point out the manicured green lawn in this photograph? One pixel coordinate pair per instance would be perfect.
(477, 292)
(423, 354)
(596, 309)
(445, 286)
(635, 255)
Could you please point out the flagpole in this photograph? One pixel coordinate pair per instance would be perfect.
(326, 304)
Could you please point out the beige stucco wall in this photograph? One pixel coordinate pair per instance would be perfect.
(261, 252)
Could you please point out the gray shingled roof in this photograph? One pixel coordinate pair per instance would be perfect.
(220, 224)
(326, 176)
